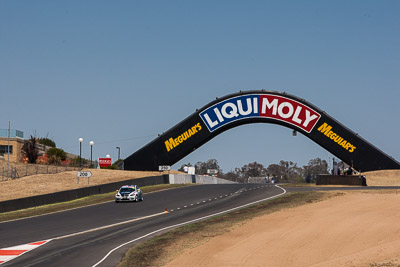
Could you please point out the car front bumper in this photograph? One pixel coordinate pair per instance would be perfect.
(127, 199)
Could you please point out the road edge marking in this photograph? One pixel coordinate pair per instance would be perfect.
(16, 251)
(109, 226)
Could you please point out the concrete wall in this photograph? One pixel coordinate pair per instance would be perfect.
(356, 180)
(196, 179)
(23, 203)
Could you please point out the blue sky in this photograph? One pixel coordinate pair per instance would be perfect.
(121, 72)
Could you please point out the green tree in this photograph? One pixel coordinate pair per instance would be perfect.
(253, 169)
(315, 167)
(77, 160)
(285, 171)
(56, 155)
(46, 141)
(234, 175)
(211, 164)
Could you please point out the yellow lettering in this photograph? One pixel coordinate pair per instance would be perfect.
(174, 142)
(170, 144)
(324, 128)
(343, 144)
(180, 139)
(348, 146)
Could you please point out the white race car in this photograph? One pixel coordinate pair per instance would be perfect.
(129, 193)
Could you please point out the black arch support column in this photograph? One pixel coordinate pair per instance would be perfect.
(259, 107)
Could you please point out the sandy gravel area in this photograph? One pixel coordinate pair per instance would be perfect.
(383, 178)
(356, 229)
(48, 183)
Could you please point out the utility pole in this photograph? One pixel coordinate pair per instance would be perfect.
(119, 152)
(8, 149)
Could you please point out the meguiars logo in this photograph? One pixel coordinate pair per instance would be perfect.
(326, 130)
(174, 142)
(262, 106)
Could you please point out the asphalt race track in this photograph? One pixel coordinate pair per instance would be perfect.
(75, 243)
(86, 236)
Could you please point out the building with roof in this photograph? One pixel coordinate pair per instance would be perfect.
(14, 142)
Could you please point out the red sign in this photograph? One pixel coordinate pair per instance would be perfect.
(105, 162)
(288, 110)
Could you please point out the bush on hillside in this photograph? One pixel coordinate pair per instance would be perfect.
(56, 155)
(46, 141)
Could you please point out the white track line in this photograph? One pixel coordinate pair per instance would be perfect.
(109, 226)
(188, 222)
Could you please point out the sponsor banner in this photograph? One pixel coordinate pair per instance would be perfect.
(261, 106)
(326, 129)
(173, 142)
(105, 162)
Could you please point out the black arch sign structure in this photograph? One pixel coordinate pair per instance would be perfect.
(259, 107)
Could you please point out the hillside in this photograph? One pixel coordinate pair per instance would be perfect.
(48, 183)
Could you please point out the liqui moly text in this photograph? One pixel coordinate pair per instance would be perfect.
(262, 106)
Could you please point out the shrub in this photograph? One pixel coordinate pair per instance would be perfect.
(56, 155)
(46, 141)
(112, 167)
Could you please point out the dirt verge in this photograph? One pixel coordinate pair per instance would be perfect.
(355, 229)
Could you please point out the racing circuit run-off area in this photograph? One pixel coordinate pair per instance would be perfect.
(260, 106)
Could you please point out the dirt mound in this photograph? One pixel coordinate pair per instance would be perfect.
(49, 183)
(383, 178)
(356, 229)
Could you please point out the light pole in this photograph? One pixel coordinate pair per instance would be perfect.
(119, 150)
(80, 152)
(91, 152)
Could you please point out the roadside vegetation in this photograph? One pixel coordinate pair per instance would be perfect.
(163, 248)
(77, 203)
(282, 172)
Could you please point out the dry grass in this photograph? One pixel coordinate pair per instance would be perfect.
(49, 183)
(383, 178)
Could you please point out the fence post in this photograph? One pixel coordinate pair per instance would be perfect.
(37, 169)
(47, 168)
(26, 172)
